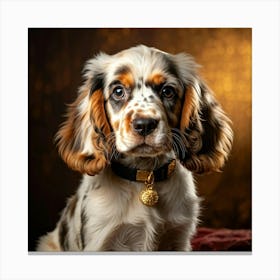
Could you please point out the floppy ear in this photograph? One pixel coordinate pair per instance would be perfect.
(81, 140)
(206, 130)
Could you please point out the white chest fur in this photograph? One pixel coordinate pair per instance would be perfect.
(114, 211)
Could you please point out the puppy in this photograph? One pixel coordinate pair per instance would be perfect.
(143, 121)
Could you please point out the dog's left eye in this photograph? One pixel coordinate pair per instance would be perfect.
(168, 92)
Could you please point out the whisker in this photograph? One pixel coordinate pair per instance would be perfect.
(114, 154)
(156, 162)
(174, 146)
(179, 143)
(110, 146)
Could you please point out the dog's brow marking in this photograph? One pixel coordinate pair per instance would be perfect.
(124, 69)
(156, 79)
(127, 80)
(124, 76)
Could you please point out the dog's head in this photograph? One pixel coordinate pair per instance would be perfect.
(143, 102)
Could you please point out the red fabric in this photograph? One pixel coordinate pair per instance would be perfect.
(207, 239)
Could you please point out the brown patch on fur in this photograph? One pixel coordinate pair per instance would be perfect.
(126, 79)
(70, 137)
(140, 114)
(153, 111)
(174, 114)
(189, 107)
(207, 131)
(156, 79)
(116, 125)
(98, 114)
(127, 121)
(52, 246)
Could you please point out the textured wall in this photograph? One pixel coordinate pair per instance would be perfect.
(56, 57)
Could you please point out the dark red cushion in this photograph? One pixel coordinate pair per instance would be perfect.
(208, 239)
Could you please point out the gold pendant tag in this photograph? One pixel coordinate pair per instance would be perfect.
(149, 196)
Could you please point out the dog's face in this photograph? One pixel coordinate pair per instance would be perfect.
(143, 99)
(144, 102)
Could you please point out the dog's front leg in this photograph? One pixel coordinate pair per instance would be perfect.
(175, 238)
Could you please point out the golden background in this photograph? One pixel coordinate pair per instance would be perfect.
(56, 58)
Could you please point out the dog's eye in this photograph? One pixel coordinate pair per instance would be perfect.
(168, 92)
(118, 93)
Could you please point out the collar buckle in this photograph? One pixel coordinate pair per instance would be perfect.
(142, 175)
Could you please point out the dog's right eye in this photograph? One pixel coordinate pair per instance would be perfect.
(168, 92)
(118, 93)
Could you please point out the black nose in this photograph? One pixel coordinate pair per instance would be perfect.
(144, 126)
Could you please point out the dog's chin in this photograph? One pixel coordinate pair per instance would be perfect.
(145, 150)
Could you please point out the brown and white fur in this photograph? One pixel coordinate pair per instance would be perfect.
(183, 121)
